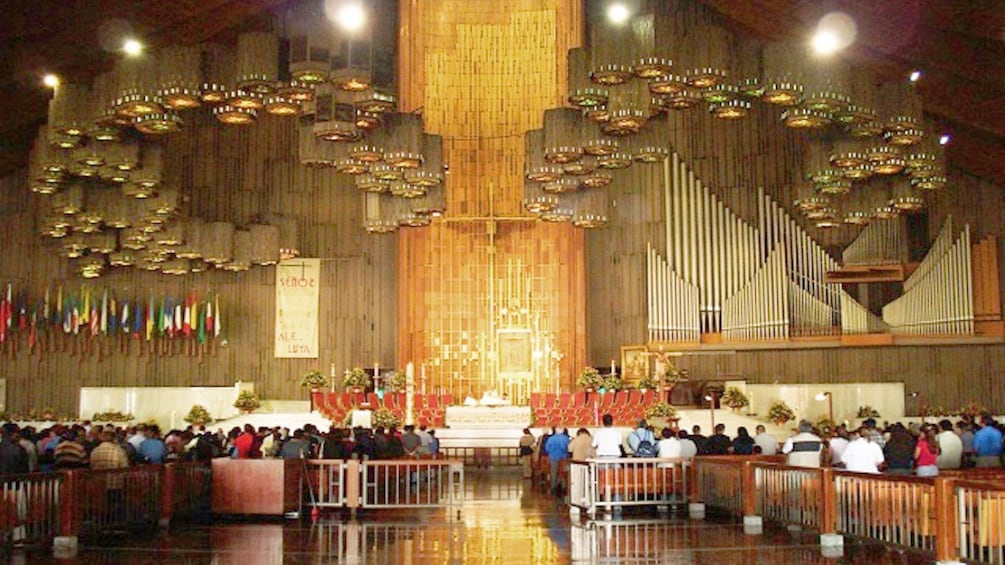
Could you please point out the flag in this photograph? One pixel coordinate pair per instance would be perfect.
(58, 319)
(210, 321)
(85, 312)
(186, 320)
(22, 311)
(103, 324)
(113, 317)
(163, 324)
(4, 313)
(151, 313)
(177, 322)
(137, 320)
(94, 319)
(124, 321)
(201, 332)
(31, 332)
(45, 308)
(218, 319)
(67, 314)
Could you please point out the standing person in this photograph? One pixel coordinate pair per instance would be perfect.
(837, 444)
(527, 441)
(950, 447)
(244, 442)
(926, 453)
(298, 447)
(557, 449)
(152, 449)
(581, 446)
(411, 441)
(607, 441)
(899, 451)
(767, 442)
(862, 454)
(108, 454)
(966, 433)
(719, 442)
(804, 448)
(988, 443)
(13, 458)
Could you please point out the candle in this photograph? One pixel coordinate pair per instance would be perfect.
(612, 366)
(376, 369)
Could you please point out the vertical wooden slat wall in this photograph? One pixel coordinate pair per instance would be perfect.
(483, 73)
(227, 174)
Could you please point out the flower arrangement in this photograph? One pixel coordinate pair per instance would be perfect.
(867, 412)
(111, 416)
(659, 410)
(611, 382)
(735, 398)
(671, 374)
(383, 417)
(779, 412)
(247, 400)
(357, 378)
(824, 425)
(590, 378)
(973, 409)
(313, 379)
(648, 382)
(198, 415)
(394, 381)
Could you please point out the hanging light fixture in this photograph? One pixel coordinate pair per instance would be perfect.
(220, 76)
(180, 77)
(379, 213)
(334, 115)
(136, 87)
(431, 172)
(69, 108)
(782, 73)
(537, 168)
(257, 67)
(708, 54)
(590, 209)
(404, 141)
(311, 39)
(562, 136)
(583, 93)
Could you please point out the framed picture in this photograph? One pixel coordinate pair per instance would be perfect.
(515, 352)
(635, 364)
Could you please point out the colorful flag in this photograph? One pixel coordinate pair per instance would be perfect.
(151, 314)
(218, 319)
(113, 317)
(177, 322)
(137, 320)
(210, 321)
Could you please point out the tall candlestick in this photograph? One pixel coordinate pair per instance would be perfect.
(612, 366)
(376, 369)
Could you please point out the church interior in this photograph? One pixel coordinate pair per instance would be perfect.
(482, 216)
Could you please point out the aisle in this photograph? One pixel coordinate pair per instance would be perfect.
(502, 521)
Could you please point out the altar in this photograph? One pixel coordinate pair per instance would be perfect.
(488, 416)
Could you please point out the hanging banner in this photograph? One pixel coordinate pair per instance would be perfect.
(298, 283)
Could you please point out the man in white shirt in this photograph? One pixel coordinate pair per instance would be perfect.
(767, 442)
(669, 445)
(803, 449)
(607, 440)
(688, 449)
(950, 447)
(862, 454)
(837, 445)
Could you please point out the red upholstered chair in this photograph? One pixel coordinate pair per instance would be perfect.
(446, 399)
(420, 401)
(606, 402)
(579, 399)
(549, 401)
(648, 397)
(564, 401)
(633, 397)
(373, 400)
(535, 399)
(391, 401)
(433, 400)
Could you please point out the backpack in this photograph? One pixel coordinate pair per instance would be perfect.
(645, 448)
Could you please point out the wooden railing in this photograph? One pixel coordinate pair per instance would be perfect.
(952, 516)
(39, 508)
(614, 483)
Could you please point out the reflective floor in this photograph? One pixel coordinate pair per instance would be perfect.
(503, 520)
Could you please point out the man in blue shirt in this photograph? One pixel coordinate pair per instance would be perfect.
(152, 449)
(988, 444)
(557, 449)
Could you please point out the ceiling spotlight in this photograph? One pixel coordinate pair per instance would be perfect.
(945, 139)
(914, 76)
(50, 80)
(835, 31)
(618, 12)
(347, 14)
(132, 47)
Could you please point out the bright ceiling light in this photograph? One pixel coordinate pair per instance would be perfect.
(50, 80)
(132, 47)
(825, 42)
(618, 12)
(945, 139)
(347, 14)
(835, 31)
(914, 76)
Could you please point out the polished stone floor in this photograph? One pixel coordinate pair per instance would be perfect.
(502, 521)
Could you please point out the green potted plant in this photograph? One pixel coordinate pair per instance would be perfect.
(383, 417)
(735, 398)
(198, 415)
(247, 401)
(357, 379)
(590, 379)
(111, 416)
(779, 412)
(313, 379)
(611, 382)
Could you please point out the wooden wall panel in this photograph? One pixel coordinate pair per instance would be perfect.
(483, 73)
(227, 174)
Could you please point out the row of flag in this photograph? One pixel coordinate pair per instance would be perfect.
(102, 313)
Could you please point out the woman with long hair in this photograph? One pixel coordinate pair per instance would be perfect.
(926, 453)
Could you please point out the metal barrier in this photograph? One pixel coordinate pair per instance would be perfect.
(894, 510)
(29, 509)
(790, 495)
(609, 484)
(412, 483)
(980, 517)
(327, 479)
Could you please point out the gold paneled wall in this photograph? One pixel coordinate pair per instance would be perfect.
(482, 73)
